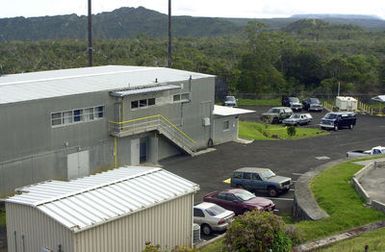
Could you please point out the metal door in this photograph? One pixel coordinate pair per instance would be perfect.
(78, 164)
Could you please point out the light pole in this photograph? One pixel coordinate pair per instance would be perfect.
(169, 54)
(89, 49)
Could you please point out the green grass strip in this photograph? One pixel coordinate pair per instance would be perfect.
(335, 194)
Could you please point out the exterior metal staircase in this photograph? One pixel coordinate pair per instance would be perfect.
(154, 122)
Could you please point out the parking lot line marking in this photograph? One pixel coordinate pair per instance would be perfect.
(291, 190)
(286, 199)
(322, 158)
(297, 174)
(227, 181)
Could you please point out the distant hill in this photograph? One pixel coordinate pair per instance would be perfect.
(131, 22)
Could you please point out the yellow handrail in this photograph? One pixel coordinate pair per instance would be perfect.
(156, 116)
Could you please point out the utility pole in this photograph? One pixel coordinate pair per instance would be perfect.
(169, 54)
(89, 49)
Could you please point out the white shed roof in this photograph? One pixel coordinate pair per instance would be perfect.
(86, 202)
(229, 111)
(56, 83)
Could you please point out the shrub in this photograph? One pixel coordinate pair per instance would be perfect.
(258, 231)
(291, 131)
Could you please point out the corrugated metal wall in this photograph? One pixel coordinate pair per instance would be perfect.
(168, 225)
(35, 231)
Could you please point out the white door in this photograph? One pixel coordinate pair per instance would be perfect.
(78, 165)
(135, 151)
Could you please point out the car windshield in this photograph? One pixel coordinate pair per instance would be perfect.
(273, 110)
(244, 195)
(267, 174)
(215, 210)
(314, 100)
(230, 98)
(293, 99)
(331, 116)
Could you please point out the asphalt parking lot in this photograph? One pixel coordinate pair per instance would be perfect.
(284, 157)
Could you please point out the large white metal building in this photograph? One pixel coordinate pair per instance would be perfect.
(116, 211)
(64, 124)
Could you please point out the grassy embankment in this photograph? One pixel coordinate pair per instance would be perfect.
(335, 194)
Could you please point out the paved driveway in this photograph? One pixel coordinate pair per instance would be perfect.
(287, 158)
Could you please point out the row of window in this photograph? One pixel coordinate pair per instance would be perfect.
(143, 103)
(77, 115)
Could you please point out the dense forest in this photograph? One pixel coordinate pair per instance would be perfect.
(308, 56)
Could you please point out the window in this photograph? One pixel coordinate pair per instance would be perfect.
(100, 112)
(185, 97)
(89, 114)
(176, 98)
(226, 125)
(67, 117)
(143, 103)
(256, 176)
(151, 101)
(247, 175)
(77, 116)
(198, 213)
(134, 104)
(237, 175)
(56, 119)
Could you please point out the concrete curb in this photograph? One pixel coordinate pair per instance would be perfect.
(305, 206)
(361, 190)
(205, 243)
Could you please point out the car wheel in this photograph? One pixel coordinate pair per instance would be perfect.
(272, 192)
(275, 120)
(335, 127)
(206, 229)
(351, 126)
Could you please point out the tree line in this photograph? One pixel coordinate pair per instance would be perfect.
(256, 61)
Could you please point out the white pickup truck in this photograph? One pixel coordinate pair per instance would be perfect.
(360, 153)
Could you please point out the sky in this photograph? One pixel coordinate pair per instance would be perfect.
(208, 8)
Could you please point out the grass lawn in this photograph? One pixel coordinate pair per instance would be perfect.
(375, 241)
(261, 131)
(259, 102)
(335, 194)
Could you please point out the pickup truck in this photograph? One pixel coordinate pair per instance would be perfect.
(298, 119)
(276, 115)
(360, 153)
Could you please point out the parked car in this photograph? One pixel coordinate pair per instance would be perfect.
(260, 179)
(338, 120)
(212, 217)
(312, 104)
(276, 114)
(230, 101)
(360, 153)
(292, 102)
(239, 201)
(298, 119)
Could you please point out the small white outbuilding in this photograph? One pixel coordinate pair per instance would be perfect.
(346, 103)
(116, 211)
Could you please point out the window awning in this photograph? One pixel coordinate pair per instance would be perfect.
(152, 89)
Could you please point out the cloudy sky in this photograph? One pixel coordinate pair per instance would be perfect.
(212, 8)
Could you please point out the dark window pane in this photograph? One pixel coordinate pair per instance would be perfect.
(56, 119)
(134, 104)
(151, 101)
(100, 112)
(142, 103)
(78, 115)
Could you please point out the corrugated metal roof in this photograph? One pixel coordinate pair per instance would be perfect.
(56, 83)
(144, 90)
(86, 202)
(229, 111)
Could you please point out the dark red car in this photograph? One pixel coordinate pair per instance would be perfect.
(239, 201)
